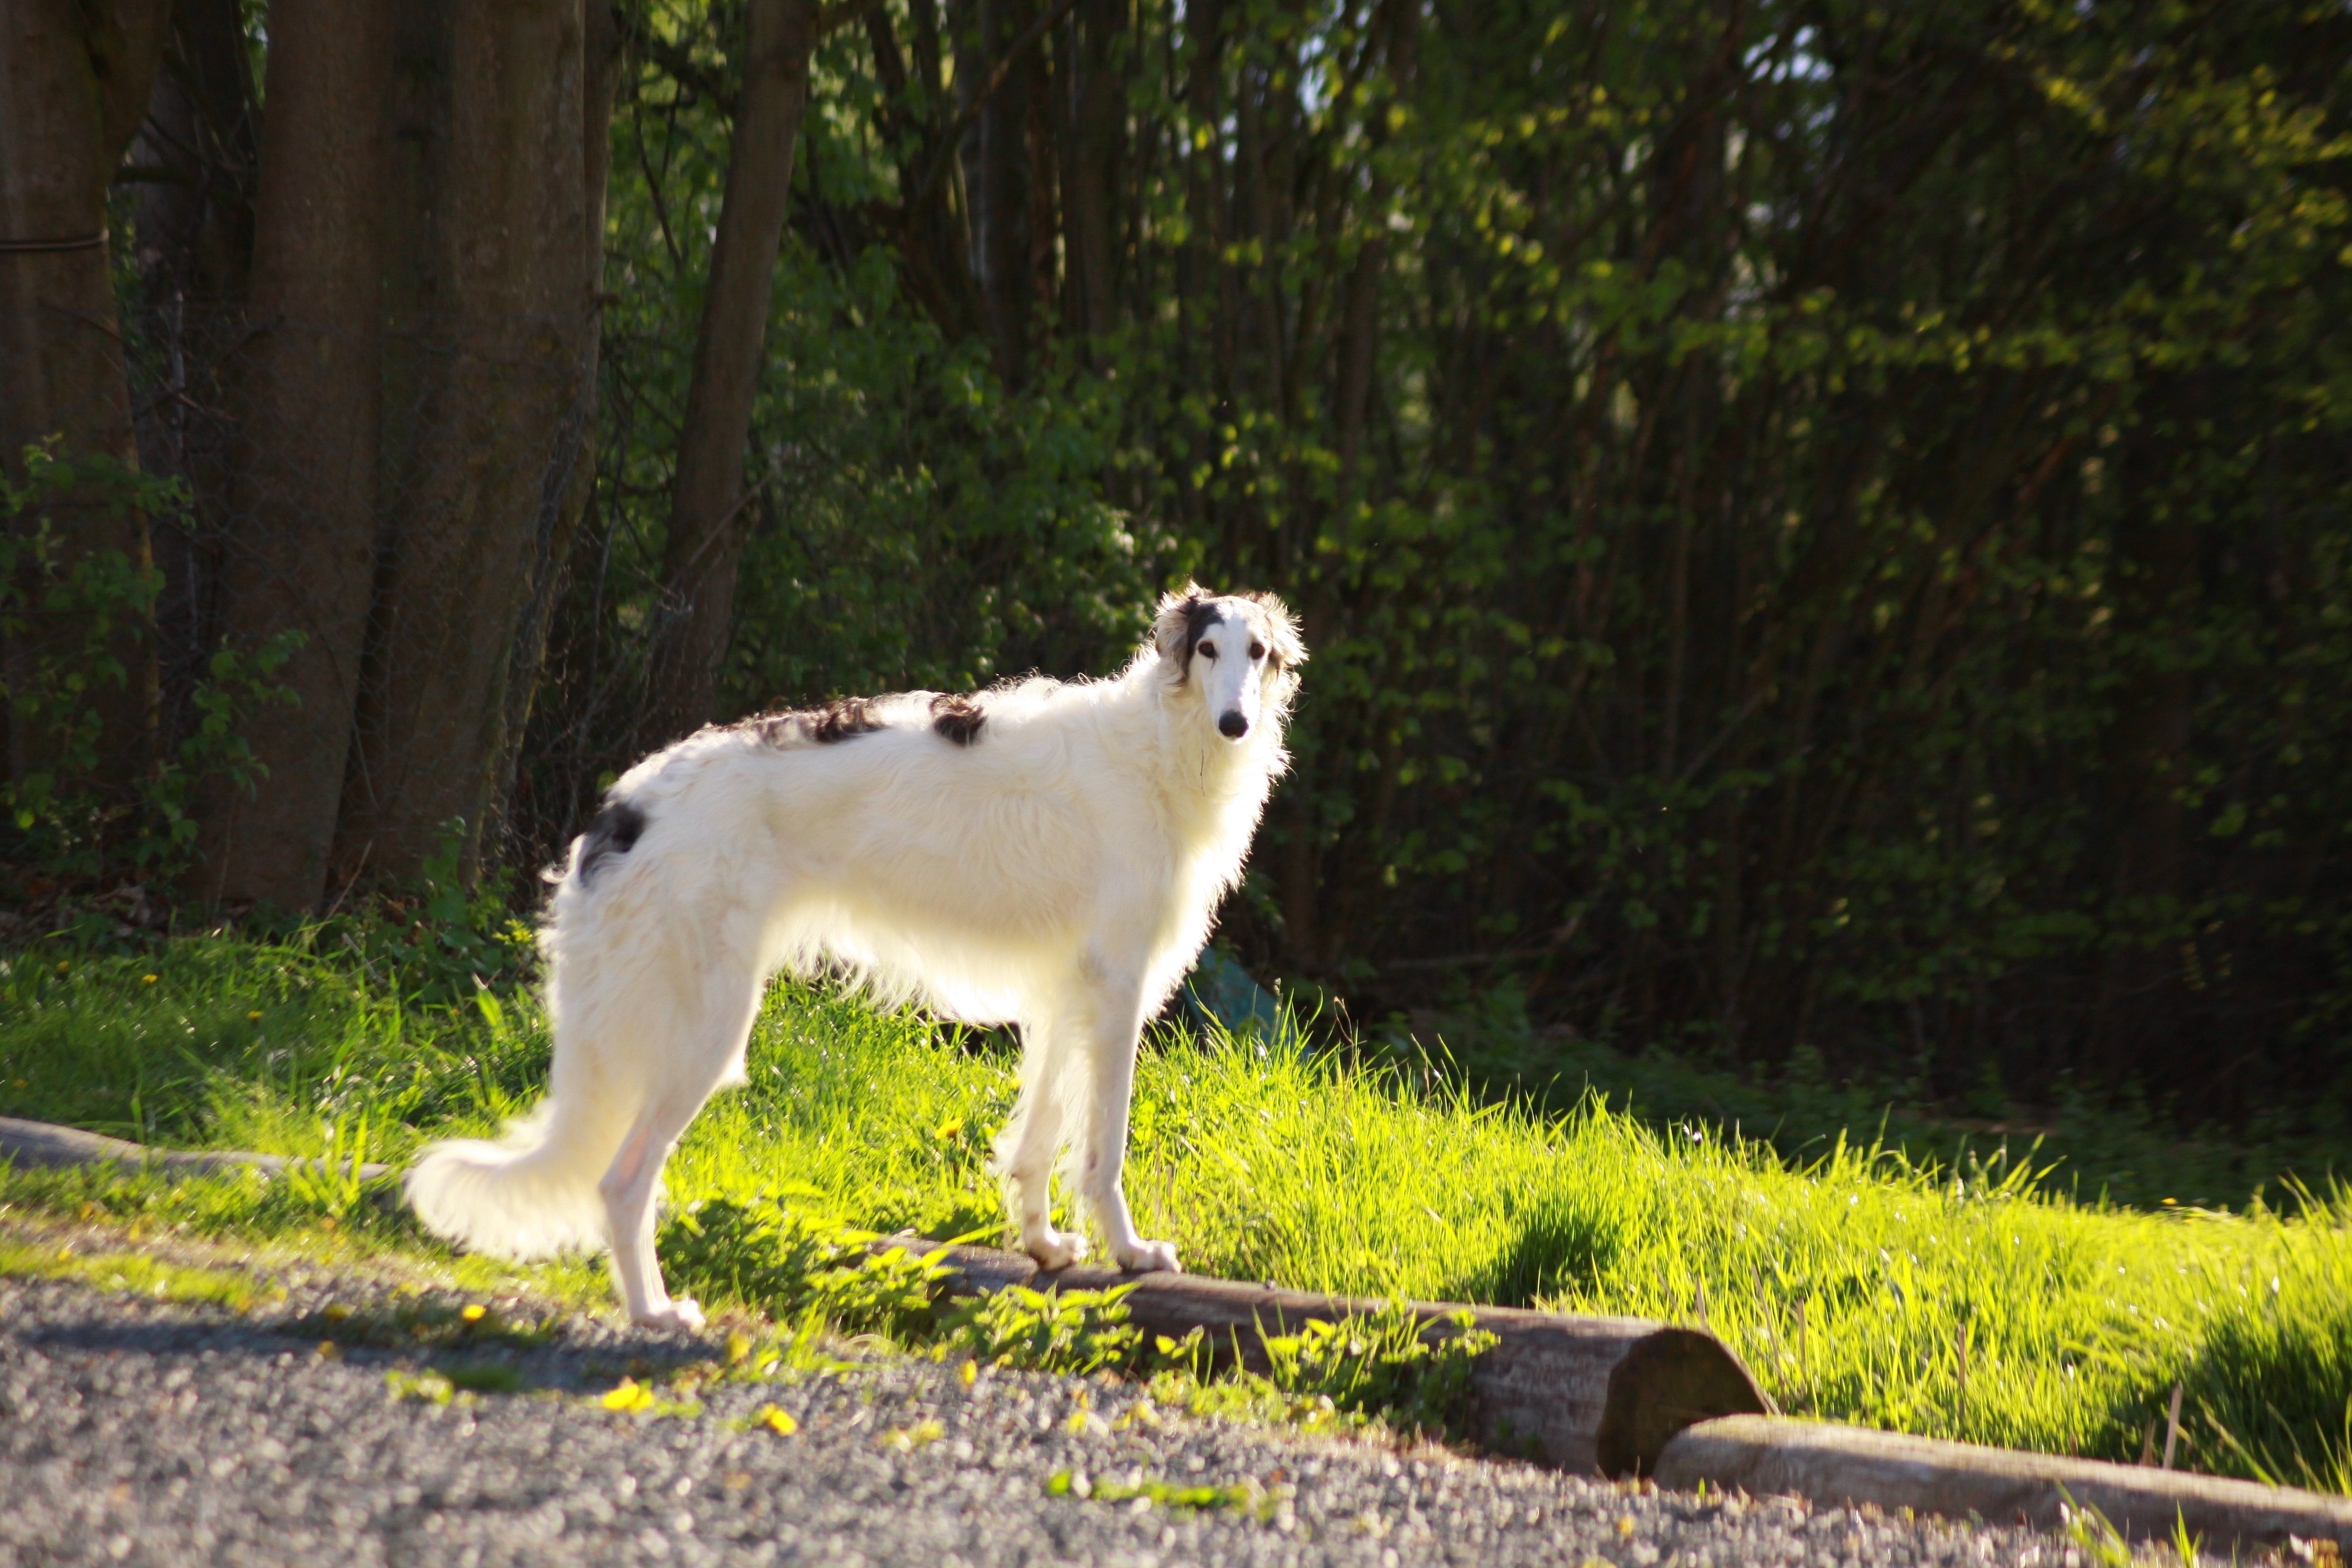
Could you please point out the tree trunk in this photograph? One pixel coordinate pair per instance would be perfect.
(490, 300)
(997, 172)
(600, 85)
(934, 249)
(74, 78)
(2136, 1027)
(196, 158)
(1090, 92)
(303, 538)
(195, 161)
(706, 531)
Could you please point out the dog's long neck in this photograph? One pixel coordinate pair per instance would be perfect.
(1206, 794)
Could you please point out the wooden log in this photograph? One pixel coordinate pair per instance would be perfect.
(1830, 1465)
(1589, 1394)
(44, 1145)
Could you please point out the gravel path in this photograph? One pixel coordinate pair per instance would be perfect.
(140, 1432)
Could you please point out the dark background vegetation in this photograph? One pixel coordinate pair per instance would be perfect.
(1822, 526)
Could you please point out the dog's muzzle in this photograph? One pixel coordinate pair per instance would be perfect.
(1232, 726)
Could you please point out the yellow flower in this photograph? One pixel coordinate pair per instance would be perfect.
(907, 1439)
(629, 1395)
(949, 1129)
(473, 1313)
(777, 1421)
(148, 979)
(252, 1016)
(968, 1373)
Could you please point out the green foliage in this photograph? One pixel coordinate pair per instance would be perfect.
(1821, 526)
(1387, 1364)
(791, 1266)
(1080, 1332)
(1242, 1496)
(67, 823)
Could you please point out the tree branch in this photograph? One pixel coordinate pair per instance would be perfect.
(962, 122)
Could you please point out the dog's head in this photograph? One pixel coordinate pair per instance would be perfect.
(1240, 651)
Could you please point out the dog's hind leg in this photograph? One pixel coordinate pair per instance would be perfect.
(710, 1050)
(1030, 1141)
(1112, 1035)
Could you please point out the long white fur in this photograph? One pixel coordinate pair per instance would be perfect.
(1060, 872)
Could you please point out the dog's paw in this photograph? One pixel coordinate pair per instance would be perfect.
(683, 1312)
(1056, 1250)
(1149, 1257)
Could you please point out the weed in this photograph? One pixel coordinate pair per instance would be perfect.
(2184, 1545)
(769, 1418)
(789, 1264)
(1387, 1364)
(907, 1439)
(631, 1397)
(433, 1387)
(1247, 1496)
(2099, 1541)
(132, 1273)
(1079, 1331)
(485, 1377)
(422, 1324)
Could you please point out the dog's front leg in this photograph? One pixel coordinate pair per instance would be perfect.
(1103, 1161)
(1032, 1140)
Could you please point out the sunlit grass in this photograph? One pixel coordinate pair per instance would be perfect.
(131, 1273)
(1857, 1287)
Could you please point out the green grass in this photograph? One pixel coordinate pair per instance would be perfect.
(2120, 1149)
(1973, 1304)
(131, 1273)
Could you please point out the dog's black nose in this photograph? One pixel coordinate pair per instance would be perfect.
(1232, 726)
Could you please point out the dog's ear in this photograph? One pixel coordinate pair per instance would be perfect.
(1176, 629)
(1285, 648)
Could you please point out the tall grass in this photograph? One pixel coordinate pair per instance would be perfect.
(1858, 1287)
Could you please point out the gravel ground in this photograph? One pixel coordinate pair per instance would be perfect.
(136, 1431)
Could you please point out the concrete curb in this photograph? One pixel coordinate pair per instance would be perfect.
(1832, 1465)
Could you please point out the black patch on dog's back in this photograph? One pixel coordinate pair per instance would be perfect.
(844, 718)
(616, 831)
(957, 718)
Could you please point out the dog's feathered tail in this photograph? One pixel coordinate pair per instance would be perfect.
(528, 1194)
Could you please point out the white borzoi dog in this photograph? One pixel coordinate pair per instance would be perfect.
(1048, 854)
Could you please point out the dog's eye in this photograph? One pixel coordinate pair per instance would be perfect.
(1257, 651)
(1208, 650)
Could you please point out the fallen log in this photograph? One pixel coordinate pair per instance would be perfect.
(1832, 1466)
(44, 1145)
(1589, 1394)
